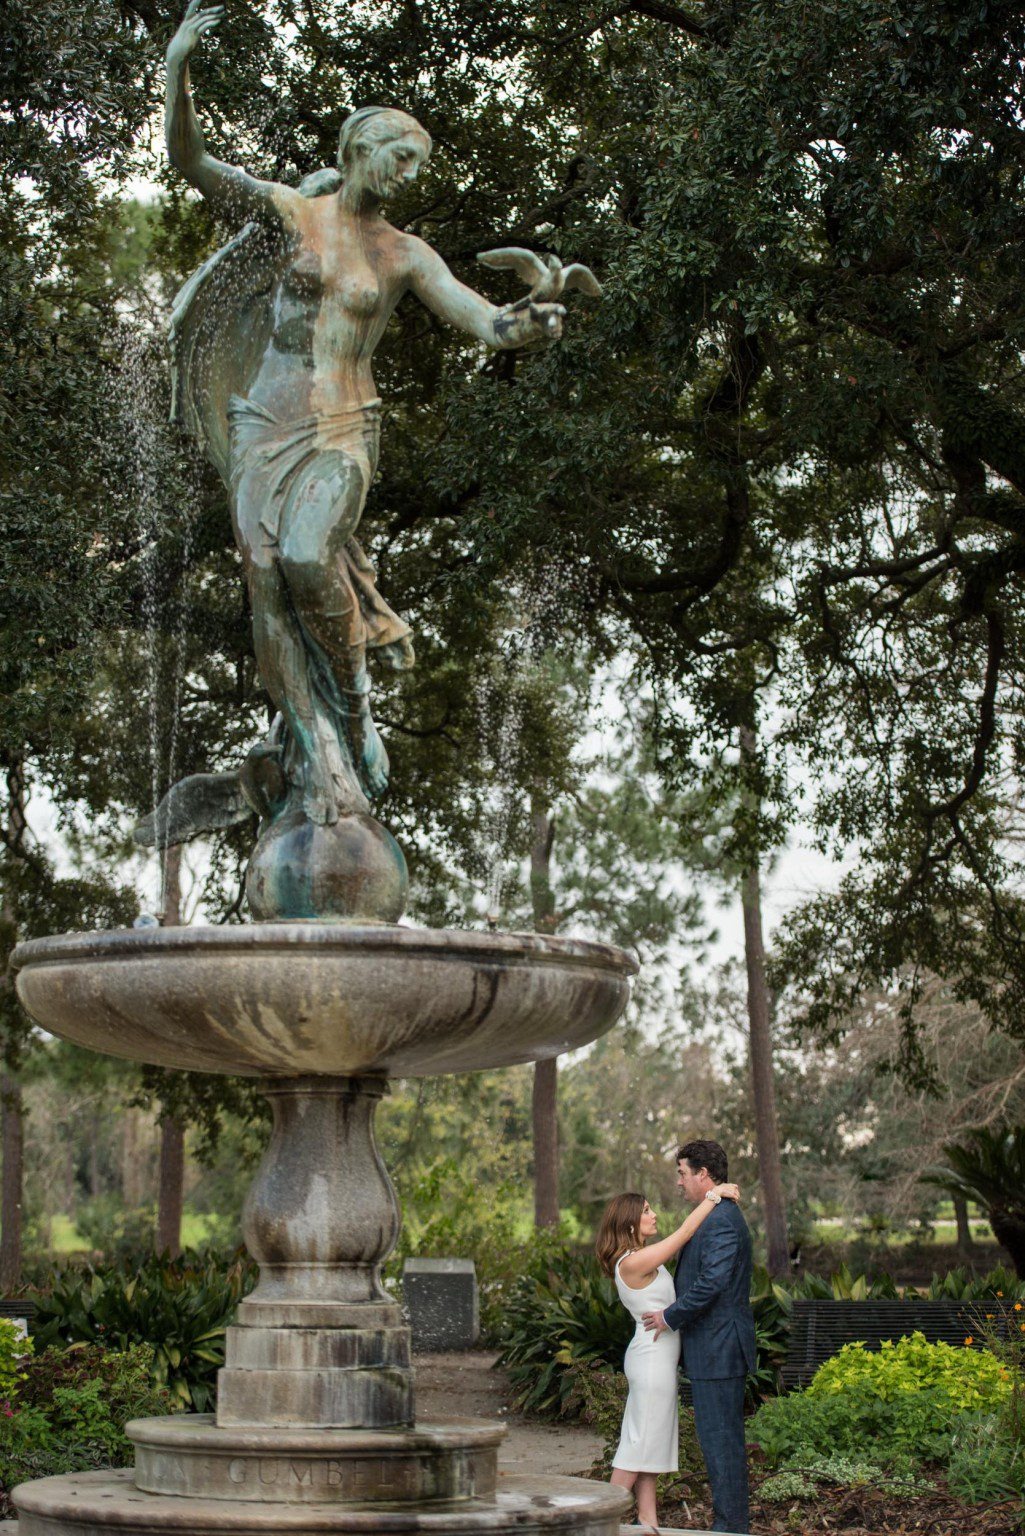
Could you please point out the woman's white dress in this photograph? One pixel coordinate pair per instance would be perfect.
(650, 1439)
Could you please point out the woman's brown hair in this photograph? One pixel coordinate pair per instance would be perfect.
(619, 1230)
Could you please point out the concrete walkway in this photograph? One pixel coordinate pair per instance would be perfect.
(463, 1384)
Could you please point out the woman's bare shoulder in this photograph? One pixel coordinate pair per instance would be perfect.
(414, 254)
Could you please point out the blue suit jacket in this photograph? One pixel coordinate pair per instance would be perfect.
(712, 1310)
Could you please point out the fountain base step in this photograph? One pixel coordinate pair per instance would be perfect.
(192, 1457)
(326, 1377)
(105, 1503)
(331, 1399)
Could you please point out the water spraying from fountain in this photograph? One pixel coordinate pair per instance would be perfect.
(539, 610)
(161, 486)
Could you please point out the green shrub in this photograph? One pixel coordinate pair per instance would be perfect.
(559, 1316)
(844, 1286)
(962, 1285)
(784, 1487)
(121, 1236)
(14, 1347)
(955, 1285)
(180, 1307)
(447, 1213)
(71, 1410)
(962, 1380)
(771, 1306)
(123, 1378)
(899, 1400)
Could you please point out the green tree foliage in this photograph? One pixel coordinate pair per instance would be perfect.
(784, 453)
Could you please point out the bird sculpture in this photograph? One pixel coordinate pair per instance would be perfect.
(547, 276)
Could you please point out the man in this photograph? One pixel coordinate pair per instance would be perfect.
(712, 1313)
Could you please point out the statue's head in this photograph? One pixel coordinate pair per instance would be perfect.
(382, 147)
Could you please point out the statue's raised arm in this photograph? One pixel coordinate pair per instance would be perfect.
(273, 342)
(233, 189)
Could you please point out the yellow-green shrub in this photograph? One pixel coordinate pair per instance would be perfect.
(895, 1404)
(968, 1380)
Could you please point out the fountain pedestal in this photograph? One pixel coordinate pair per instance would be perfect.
(319, 1342)
(315, 1427)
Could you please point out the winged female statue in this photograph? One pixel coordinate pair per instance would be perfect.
(272, 346)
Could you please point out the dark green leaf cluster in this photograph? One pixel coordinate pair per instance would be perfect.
(180, 1307)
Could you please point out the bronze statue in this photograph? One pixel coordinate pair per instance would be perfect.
(273, 341)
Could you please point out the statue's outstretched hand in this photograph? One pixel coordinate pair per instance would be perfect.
(196, 23)
(524, 323)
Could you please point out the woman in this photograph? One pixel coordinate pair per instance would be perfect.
(274, 339)
(649, 1443)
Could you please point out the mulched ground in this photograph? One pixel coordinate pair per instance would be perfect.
(862, 1512)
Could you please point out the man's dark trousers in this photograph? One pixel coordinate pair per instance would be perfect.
(719, 1420)
(712, 1312)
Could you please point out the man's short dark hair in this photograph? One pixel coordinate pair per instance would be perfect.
(705, 1154)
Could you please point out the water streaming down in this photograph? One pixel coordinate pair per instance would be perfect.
(537, 625)
(162, 486)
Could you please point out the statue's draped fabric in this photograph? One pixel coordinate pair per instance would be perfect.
(221, 326)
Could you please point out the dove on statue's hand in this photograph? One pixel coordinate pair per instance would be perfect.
(546, 276)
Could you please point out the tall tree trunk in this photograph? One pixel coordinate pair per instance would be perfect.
(12, 1147)
(134, 1159)
(545, 1093)
(171, 1187)
(965, 1242)
(171, 1199)
(12, 1123)
(763, 1083)
(1009, 1231)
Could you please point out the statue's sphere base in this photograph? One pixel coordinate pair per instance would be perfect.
(351, 869)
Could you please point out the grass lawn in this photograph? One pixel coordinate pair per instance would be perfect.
(65, 1237)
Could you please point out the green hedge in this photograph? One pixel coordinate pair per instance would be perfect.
(180, 1308)
(68, 1411)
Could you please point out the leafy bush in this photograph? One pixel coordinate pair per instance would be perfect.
(962, 1285)
(121, 1236)
(784, 1487)
(561, 1315)
(180, 1307)
(14, 1347)
(902, 1398)
(843, 1286)
(71, 1410)
(448, 1214)
(771, 1305)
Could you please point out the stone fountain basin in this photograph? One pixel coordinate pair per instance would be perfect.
(280, 999)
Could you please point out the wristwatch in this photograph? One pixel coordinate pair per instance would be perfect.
(713, 1195)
